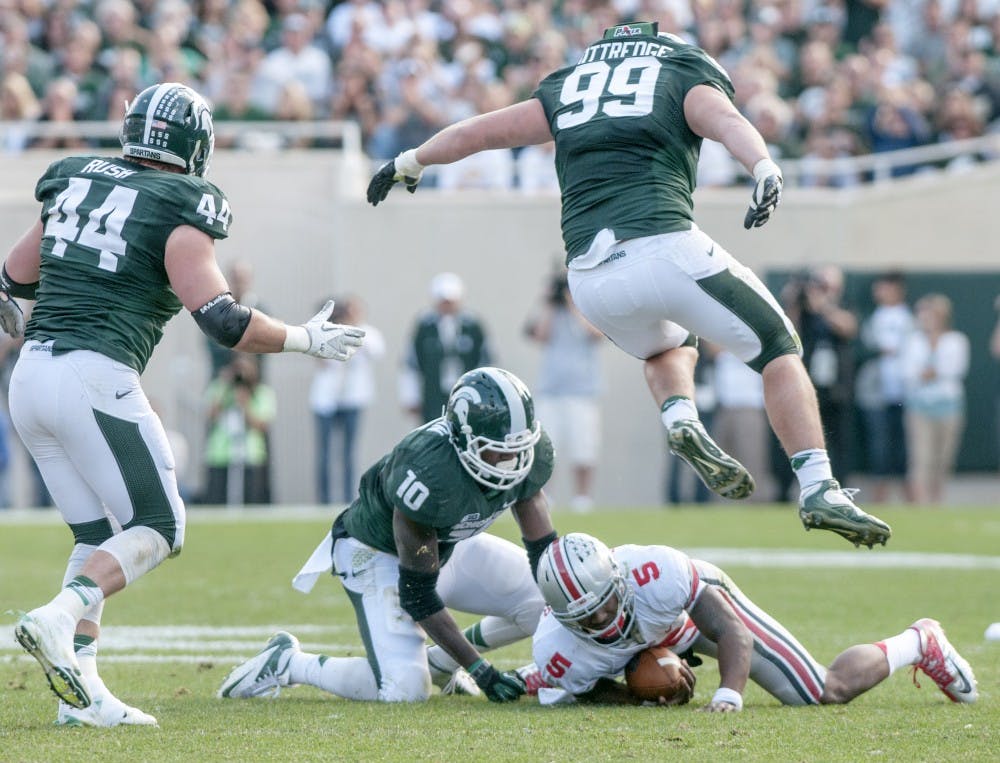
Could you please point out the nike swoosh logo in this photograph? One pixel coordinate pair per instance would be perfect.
(965, 688)
(120, 395)
(711, 251)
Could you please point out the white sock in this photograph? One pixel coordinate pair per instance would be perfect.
(811, 466)
(677, 408)
(78, 596)
(902, 650)
(347, 677)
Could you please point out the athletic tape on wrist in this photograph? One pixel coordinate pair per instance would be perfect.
(730, 696)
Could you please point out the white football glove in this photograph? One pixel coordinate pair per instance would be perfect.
(766, 193)
(11, 317)
(322, 339)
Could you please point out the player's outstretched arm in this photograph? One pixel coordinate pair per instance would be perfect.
(522, 124)
(710, 114)
(199, 284)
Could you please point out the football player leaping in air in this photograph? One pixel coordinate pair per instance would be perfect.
(413, 543)
(607, 605)
(628, 122)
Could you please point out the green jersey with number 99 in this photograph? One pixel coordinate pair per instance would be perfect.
(103, 284)
(423, 479)
(625, 157)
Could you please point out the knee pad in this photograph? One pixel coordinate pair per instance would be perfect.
(413, 685)
(137, 551)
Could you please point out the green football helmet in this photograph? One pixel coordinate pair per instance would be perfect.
(170, 123)
(490, 413)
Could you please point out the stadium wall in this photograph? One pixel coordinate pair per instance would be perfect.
(301, 219)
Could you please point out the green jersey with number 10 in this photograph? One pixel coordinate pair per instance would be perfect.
(625, 157)
(423, 479)
(104, 286)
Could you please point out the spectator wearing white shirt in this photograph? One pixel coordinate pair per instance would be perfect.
(880, 382)
(296, 59)
(935, 360)
(338, 396)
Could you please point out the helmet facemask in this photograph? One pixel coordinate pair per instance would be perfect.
(518, 450)
(578, 576)
(491, 419)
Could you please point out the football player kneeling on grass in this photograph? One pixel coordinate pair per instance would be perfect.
(607, 605)
(413, 544)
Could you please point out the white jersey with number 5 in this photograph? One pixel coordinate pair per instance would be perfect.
(665, 583)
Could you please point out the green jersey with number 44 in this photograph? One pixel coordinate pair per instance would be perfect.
(625, 157)
(103, 285)
(423, 479)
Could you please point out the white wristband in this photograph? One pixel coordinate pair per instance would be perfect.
(730, 696)
(406, 164)
(764, 168)
(296, 339)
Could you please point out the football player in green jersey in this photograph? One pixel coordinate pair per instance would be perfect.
(628, 122)
(413, 543)
(121, 244)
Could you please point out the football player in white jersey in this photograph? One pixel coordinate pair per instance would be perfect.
(607, 605)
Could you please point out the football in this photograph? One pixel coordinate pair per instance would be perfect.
(656, 672)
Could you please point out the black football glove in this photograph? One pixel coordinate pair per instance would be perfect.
(11, 317)
(766, 193)
(403, 169)
(497, 686)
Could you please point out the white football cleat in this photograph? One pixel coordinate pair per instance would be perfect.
(46, 634)
(942, 664)
(105, 711)
(460, 682)
(265, 674)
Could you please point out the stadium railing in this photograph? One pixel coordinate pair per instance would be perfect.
(346, 136)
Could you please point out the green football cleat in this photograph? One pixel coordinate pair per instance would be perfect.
(264, 674)
(722, 473)
(827, 506)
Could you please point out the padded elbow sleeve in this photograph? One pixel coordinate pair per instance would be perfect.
(15, 289)
(223, 319)
(418, 594)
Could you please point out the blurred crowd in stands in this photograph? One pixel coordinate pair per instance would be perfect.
(821, 79)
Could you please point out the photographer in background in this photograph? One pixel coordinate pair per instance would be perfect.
(827, 329)
(568, 386)
(240, 409)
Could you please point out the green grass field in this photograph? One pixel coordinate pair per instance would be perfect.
(172, 637)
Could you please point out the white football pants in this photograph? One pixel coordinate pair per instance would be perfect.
(97, 442)
(648, 294)
(485, 575)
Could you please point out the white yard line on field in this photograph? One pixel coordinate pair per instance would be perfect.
(230, 644)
